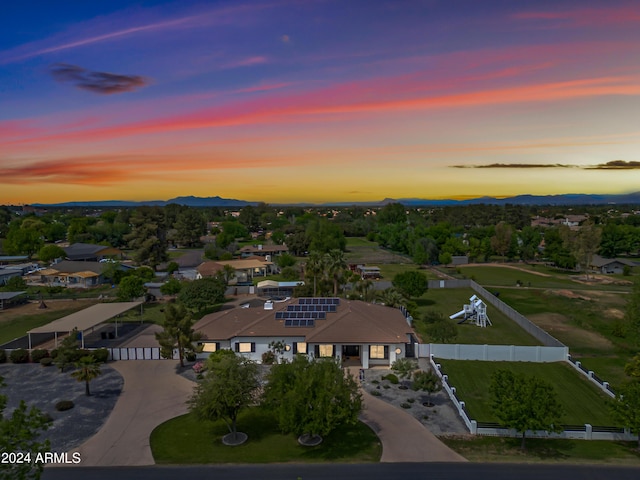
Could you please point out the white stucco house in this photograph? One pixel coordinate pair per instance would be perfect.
(350, 330)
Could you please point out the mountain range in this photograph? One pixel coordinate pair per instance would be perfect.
(191, 201)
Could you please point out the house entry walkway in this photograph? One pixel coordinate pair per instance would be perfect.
(404, 439)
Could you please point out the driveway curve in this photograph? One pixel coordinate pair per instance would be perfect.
(153, 393)
(403, 438)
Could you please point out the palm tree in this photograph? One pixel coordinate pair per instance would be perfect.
(88, 368)
(335, 266)
(392, 298)
(314, 267)
(364, 287)
(228, 272)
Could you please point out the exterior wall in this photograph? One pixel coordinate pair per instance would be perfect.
(262, 346)
(494, 353)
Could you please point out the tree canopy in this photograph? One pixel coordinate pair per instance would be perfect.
(411, 283)
(312, 397)
(178, 332)
(19, 433)
(200, 294)
(524, 403)
(229, 386)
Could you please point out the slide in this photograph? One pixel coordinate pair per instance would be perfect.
(456, 315)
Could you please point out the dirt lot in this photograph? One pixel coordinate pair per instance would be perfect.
(559, 326)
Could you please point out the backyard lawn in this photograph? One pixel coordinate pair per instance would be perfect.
(543, 450)
(449, 301)
(582, 401)
(16, 321)
(538, 277)
(187, 440)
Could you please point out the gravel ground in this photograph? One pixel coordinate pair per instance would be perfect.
(440, 419)
(43, 387)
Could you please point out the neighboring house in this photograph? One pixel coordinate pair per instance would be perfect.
(71, 274)
(8, 272)
(370, 334)
(610, 265)
(368, 272)
(245, 269)
(88, 252)
(263, 250)
(271, 288)
(459, 260)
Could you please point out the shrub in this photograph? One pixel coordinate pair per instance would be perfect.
(268, 357)
(3, 356)
(38, 354)
(47, 418)
(376, 393)
(405, 405)
(19, 356)
(393, 378)
(386, 387)
(63, 405)
(411, 400)
(46, 361)
(101, 355)
(53, 353)
(375, 382)
(190, 356)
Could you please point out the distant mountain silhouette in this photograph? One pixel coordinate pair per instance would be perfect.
(191, 201)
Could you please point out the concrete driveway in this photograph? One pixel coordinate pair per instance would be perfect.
(153, 393)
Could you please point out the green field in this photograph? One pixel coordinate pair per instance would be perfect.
(449, 301)
(542, 450)
(19, 326)
(538, 276)
(582, 401)
(187, 440)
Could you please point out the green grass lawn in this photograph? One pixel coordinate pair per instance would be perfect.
(505, 276)
(542, 450)
(360, 242)
(18, 327)
(582, 401)
(187, 440)
(586, 325)
(151, 313)
(390, 270)
(449, 301)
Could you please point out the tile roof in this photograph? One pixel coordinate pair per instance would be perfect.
(354, 322)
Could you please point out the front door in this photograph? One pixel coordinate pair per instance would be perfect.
(350, 351)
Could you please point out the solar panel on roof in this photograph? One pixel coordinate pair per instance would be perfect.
(299, 322)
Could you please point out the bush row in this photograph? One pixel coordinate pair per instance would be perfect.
(22, 355)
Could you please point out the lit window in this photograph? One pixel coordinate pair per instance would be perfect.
(209, 347)
(246, 347)
(379, 351)
(301, 347)
(326, 350)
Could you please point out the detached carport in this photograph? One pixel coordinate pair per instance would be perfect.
(8, 297)
(85, 320)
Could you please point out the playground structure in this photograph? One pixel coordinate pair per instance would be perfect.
(476, 311)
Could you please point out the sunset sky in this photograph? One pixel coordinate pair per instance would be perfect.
(288, 101)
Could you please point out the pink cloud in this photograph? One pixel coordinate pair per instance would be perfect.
(586, 16)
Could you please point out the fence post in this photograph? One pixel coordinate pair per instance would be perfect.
(588, 432)
(474, 427)
(590, 373)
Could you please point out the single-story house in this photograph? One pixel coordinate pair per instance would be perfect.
(88, 252)
(71, 274)
(8, 272)
(245, 270)
(11, 298)
(370, 334)
(610, 265)
(263, 250)
(368, 272)
(271, 288)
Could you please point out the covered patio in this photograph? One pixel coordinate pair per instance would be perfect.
(85, 320)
